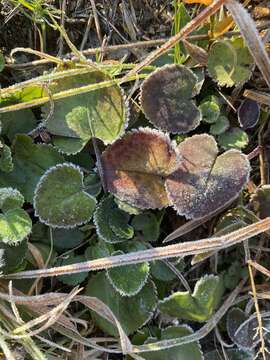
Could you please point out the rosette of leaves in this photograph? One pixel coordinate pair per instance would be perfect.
(229, 62)
(132, 312)
(30, 161)
(15, 223)
(60, 199)
(101, 113)
(135, 167)
(183, 352)
(166, 98)
(198, 306)
(130, 279)
(112, 224)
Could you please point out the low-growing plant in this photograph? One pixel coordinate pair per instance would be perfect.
(81, 183)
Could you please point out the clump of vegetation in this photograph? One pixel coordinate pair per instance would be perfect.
(94, 180)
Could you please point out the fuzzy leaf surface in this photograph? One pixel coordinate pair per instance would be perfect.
(205, 181)
(60, 200)
(135, 167)
(166, 98)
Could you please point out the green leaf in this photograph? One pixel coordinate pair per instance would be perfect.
(66, 145)
(162, 272)
(92, 184)
(210, 109)
(99, 249)
(30, 162)
(73, 279)
(220, 126)
(182, 352)
(15, 223)
(60, 200)
(228, 62)
(128, 280)
(126, 207)
(205, 181)
(6, 164)
(166, 98)
(15, 226)
(135, 167)
(147, 226)
(233, 138)
(101, 113)
(198, 306)
(13, 258)
(17, 122)
(63, 239)
(132, 313)
(112, 223)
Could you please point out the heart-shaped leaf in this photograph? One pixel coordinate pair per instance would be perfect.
(248, 113)
(166, 98)
(60, 200)
(198, 306)
(233, 138)
(128, 280)
(15, 223)
(30, 163)
(205, 181)
(132, 313)
(228, 62)
(135, 167)
(101, 113)
(112, 223)
(183, 352)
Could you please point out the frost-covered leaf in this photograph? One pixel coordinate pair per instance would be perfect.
(68, 145)
(92, 184)
(248, 113)
(73, 279)
(182, 352)
(232, 354)
(242, 330)
(198, 306)
(128, 280)
(111, 222)
(234, 138)
(210, 109)
(30, 162)
(220, 126)
(60, 200)
(146, 226)
(229, 61)
(132, 313)
(17, 122)
(101, 113)
(130, 209)
(6, 164)
(166, 98)
(261, 201)
(135, 167)
(205, 181)
(99, 249)
(15, 223)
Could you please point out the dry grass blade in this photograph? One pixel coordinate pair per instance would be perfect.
(261, 98)
(170, 251)
(192, 25)
(250, 34)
